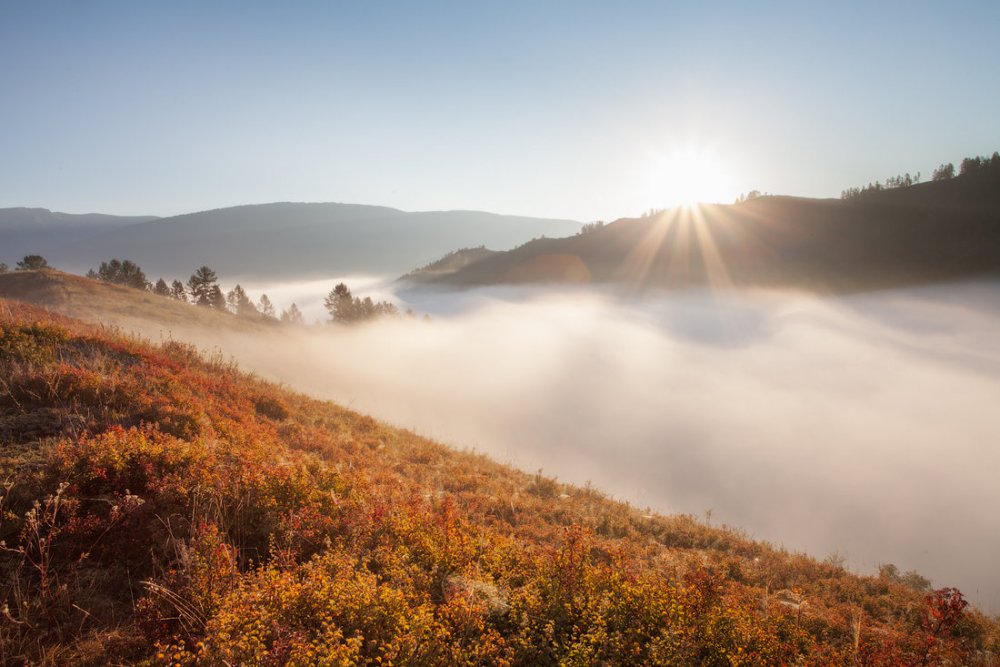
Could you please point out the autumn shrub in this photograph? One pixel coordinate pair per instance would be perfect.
(164, 508)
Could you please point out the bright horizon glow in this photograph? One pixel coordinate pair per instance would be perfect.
(540, 109)
(689, 176)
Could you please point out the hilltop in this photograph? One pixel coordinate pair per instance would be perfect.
(931, 232)
(132, 309)
(164, 507)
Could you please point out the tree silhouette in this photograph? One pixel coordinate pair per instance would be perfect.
(202, 284)
(120, 272)
(32, 263)
(944, 172)
(345, 308)
(340, 304)
(177, 291)
(265, 307)
(216, 299)
(292, 315)
(4, 268)
(161, 288)
(240, 304)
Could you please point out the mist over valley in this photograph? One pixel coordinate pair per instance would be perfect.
(521, 334)
(857, 426)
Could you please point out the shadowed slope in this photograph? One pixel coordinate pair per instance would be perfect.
(931, 232)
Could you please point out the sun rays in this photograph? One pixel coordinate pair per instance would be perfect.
(679, 247)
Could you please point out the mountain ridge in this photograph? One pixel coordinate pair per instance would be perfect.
(929, 232)
(293, 239)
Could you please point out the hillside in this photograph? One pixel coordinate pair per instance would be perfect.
(165, 508)
(131, 309)
(450, 263)
(294, 240)
(931, 232)
(39, 231)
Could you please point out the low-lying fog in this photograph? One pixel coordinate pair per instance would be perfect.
(864, 426)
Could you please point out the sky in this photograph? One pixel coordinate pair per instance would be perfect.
(582, 110)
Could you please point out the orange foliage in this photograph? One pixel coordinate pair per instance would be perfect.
(165, 508)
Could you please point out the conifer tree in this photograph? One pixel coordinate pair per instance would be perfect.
(265, 307)
(121, 272)
(340, 304)
(216, 299)
(239, 303)
(32, 263)
(292, 315)
(178, 292)
(203, 285)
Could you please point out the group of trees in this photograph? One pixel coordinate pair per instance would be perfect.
(748, 196)
(590, 227)
(203, 289)
(121, 272)
(175, 290)
(891, 183)
(27, 263)
(944, 172)
(344, 308)
(982, 163)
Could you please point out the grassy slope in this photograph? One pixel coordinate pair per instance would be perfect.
(926, 233)
(185, 512)
(80, 297)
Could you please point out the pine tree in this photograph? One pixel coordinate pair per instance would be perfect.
(216, 299)
(239, 303)
(178, 292)
(265, 307)
(292, 315)
(120, 272)
(32, 263)
(203, 285)
(161, 288)
(340, 304)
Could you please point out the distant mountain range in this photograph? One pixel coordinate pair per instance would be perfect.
(36, 231)
(930, 232)
(267, 240)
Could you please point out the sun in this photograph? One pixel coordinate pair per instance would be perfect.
(689, 176)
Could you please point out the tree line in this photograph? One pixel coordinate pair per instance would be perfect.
(944, 172)
(202, 289)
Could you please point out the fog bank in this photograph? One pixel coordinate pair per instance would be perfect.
(865, 426)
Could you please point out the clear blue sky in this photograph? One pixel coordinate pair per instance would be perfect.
(564, 109)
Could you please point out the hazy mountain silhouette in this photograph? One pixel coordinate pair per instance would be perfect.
(31, 231)
(935, 231)
(294, 239)
(450, 263)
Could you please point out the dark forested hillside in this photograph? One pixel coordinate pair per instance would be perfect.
(166, 508)
(934, 231)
